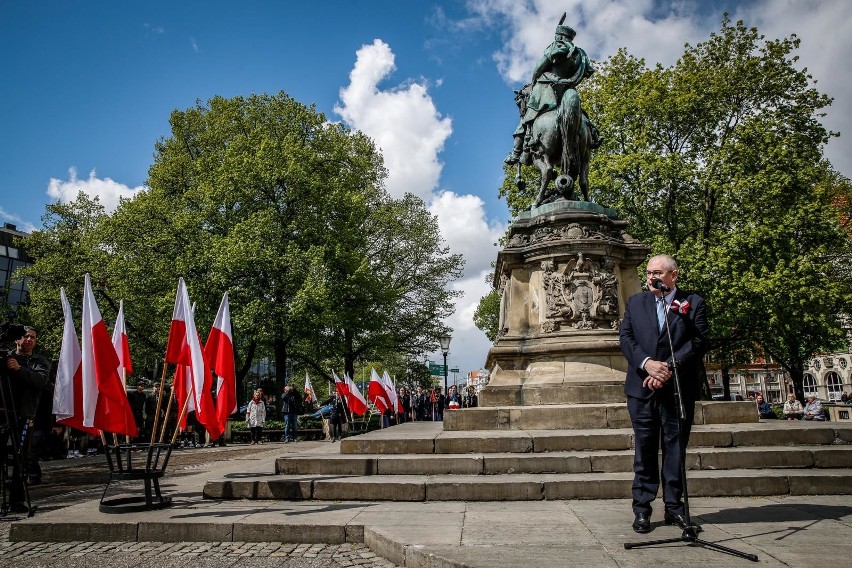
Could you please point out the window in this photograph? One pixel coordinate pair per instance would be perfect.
(12, 252)
(3, 250)
(833, 385)
(809, 383)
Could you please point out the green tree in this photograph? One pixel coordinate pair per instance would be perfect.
(718, 160)
(263, 197)
(487, 314)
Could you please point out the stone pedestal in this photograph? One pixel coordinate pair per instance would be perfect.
(564, 277)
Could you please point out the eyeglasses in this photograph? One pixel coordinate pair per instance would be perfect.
(656, 273)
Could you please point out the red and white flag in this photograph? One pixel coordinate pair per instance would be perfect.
(194, 379)
(356, 401)
(391, 390)
(122, 347)
(341, 387)
(68, 394)
(219, 352)
(105, 404)
(376, 392)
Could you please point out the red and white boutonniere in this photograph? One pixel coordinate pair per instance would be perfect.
(680, 307)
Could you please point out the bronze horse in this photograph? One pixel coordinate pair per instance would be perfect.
(562, 137)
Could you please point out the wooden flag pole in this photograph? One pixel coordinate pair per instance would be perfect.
(180, 418)
(172, 397)
(124, 384)
(159, 402)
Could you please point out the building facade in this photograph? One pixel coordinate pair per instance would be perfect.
(13, 292)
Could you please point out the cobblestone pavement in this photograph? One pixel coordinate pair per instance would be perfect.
(68, 482)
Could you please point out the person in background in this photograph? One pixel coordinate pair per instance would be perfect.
(792, 408)
(405, 401)
(813, 408)
(256, 417)
(764, 409)
(137, 400)
(290, 403)
(471, 400)
(337, 416)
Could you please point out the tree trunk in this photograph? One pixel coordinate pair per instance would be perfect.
(279, 348)
(726, 382)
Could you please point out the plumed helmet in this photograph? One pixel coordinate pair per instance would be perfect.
(563, 30)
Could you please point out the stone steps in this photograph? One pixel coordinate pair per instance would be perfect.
(422, 462)
(526, 487)
(428, 438)
(758, 457)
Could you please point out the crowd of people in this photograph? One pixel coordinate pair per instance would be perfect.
(795, 410)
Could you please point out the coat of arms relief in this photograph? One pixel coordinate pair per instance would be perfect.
(581, 294)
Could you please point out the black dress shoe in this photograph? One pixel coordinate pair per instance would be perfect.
(642, 523)
(679, 520)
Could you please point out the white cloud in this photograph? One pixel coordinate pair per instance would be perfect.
(403, 121)
(465, 228)
(658, 33)
(108, 191)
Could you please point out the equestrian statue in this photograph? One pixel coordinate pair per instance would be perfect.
(554, 130)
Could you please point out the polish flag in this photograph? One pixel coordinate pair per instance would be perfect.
(356, 401)
(122, 348)
(105, 404)
(219, 351)
(376, 392)
(391, 390)
(194, 379)
(341, 387)
(68, 394)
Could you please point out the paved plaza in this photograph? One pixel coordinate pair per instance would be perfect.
(782, 531)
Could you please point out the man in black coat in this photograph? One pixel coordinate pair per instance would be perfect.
(649, 386)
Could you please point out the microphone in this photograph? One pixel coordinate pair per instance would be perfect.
(658, 284)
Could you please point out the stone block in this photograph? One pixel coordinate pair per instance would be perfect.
(562, 441)
(591, 486)
(537, 463)
(729, 484)
(375, 488)
(612, 462)
(726, 412)
(34, 530)
(283, 532)
(500, 396)
(755, 458)
(843, 433)
(431, 465)
(483, 442)
(185, 532)
(386, 547)
(778, 436)
(558, 417)
(710, 439)
(471, 419)
(325, 465)
(618, 417)
(820, 483)
(484, 488)
(286, 488)
(834, 456)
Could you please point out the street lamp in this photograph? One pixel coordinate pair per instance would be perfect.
(445, 347)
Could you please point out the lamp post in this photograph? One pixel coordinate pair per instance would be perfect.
(445, 347)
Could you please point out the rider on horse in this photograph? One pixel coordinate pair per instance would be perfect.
(563, 66)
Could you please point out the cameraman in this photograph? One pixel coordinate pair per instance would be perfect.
(25, 375)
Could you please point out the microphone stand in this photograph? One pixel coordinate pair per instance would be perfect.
(690, 533)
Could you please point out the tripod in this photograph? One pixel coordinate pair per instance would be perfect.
(690, 533)
(18, 433)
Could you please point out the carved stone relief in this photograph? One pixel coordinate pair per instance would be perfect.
(583, 294)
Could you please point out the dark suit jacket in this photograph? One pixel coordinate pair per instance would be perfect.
(641, 338)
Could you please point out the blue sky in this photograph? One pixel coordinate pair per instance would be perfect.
(87, 88)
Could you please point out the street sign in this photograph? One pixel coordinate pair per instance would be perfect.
(436, 369)
(454, 370)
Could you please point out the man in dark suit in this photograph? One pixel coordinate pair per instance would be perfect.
(649, 386)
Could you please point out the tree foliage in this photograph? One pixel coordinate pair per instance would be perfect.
(264, 198)
(718, 160)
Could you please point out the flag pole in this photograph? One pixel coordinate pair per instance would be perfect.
(124, 384)
(180, 418)
(172, 396)
(159, 402)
